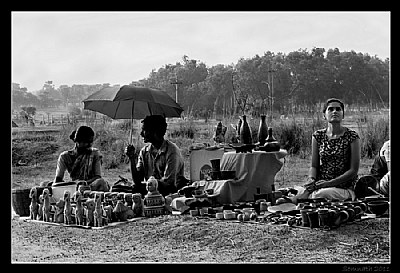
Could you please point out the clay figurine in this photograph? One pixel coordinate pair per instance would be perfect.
(46, 205)
(122, 212)
(89, 212)
(67, 208)
(34, 206)
(154, 202)
(137, 205)
(77, 197)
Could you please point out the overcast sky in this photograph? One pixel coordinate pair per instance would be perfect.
(121, 47)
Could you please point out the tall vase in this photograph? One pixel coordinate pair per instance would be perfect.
(271, 144)
(262, 131)
(270, 136)
(245, 132)
(238, 127)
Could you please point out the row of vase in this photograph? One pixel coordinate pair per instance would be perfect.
(264, 135)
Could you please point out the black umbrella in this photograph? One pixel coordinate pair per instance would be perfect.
(132, 102)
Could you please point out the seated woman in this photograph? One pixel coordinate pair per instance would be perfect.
(335, 159)
(83, 162)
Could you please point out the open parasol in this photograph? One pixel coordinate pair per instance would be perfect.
(132, 102)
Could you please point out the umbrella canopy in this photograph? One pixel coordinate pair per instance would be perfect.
(132, 102)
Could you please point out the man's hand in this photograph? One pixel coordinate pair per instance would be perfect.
(130, 151)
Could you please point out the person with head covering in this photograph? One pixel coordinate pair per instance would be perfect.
(384, 182)
(380, 170)
(335, 159)
(159, 157)
(378, 180)
(83, 162)
(380, 165)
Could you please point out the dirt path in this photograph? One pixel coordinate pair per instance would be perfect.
(185, 239)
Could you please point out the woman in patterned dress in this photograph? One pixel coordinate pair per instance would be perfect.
(335, 158)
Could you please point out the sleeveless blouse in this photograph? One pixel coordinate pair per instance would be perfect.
(335, 155)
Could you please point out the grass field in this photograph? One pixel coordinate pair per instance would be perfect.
(35, 149)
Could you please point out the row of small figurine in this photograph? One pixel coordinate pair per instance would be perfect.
(88, 208)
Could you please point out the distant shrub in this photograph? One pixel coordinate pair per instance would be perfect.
(294, 135)
(112, 142)
(74, 111)
(372, 136)
(186, 129)
(31, 110)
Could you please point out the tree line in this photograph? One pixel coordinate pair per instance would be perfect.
(279, 83)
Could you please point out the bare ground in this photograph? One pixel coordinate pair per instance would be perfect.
(186, 239)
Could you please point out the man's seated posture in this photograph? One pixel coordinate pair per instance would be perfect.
(160, 158)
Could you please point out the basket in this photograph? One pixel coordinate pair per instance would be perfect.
(58, 189)
(21, 201)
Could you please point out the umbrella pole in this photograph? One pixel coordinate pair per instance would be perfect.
(130, 133)
(130, 137)
(137, 139)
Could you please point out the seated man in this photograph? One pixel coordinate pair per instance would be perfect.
(83, 162)
(380, 167)
(381, 171)
(160, 158)
(379, 179)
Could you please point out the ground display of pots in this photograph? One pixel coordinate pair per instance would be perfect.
(308, 214)
(98, 209)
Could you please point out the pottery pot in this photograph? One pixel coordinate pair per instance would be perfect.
(271, 144)
(263, 206)
(245, 132)
(358, 203)
(215, 163)
(313, 218)
(262, 130)
(219, 215)
(216, 175)
(340, 216)
(193, 212)
(378, 207)
(324, 219)
(304, 217)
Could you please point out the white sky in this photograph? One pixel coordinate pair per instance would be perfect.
(121, 47)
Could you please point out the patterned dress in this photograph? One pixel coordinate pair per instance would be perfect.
(335, 156)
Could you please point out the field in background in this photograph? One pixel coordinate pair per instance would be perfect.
(35, 148)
